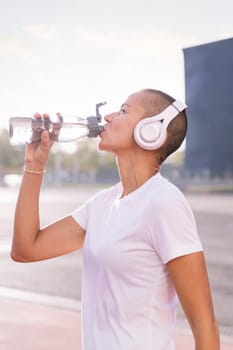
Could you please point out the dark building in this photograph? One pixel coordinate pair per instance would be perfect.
(209, 95)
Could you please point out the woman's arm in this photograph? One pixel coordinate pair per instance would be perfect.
(30, 242)
(190, 277)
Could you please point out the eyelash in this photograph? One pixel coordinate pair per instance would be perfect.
(122, 110)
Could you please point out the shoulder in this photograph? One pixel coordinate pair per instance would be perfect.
(167, 193)
(173, 228)
(169, 201)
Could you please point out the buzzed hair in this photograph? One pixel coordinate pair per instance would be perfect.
(154, 103)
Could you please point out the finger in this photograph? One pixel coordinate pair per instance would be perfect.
(45, 136)
(45, 139)
(36, 115)
(59, 117)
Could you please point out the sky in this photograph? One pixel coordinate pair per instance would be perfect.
(68, 55)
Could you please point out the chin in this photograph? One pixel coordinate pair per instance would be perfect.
(104, 147)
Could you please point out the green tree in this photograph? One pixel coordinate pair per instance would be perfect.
(11, 158)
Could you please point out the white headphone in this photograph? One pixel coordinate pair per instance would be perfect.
(151, 133)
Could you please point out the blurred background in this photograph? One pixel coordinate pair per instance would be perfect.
(67, 56)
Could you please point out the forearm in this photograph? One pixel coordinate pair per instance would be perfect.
(207, 337)
(27, 221)
(189, 274)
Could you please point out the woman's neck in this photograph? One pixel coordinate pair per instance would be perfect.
(135, 170)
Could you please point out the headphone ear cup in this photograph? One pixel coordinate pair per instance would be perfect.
(150, 132)
(147, 132)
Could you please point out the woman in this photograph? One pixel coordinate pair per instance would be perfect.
(139, 239)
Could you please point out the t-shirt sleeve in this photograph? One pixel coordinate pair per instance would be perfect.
(80, 215)
(173, 229)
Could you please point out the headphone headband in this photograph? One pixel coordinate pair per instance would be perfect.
(180, 106)
(150, 133)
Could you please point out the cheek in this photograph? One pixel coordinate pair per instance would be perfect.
(127, 136)
(118, 135)
(123, 134)
(119, 139)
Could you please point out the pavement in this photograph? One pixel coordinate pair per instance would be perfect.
(29, 326)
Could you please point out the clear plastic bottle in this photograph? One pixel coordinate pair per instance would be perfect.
(24, 130)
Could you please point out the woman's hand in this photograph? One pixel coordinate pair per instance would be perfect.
(36, 154)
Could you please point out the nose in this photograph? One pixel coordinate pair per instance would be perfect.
(109, 117)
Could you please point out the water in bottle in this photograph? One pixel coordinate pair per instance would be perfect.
(24, 130)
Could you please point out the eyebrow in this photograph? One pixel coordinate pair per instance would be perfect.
(125, 104)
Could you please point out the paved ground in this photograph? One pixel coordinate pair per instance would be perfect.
(39, 302)
(27, 326)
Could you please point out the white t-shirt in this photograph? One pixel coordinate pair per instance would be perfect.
(128, 299)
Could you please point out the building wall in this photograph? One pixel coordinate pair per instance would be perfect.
(209, 95)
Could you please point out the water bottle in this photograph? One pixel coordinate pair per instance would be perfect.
(26, 130)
